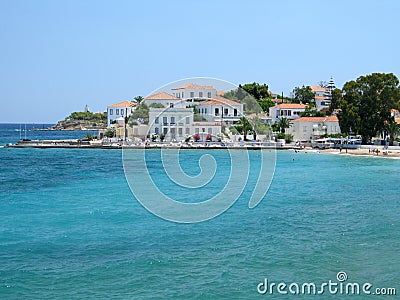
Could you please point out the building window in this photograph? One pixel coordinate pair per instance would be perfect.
(183, 95)
(196, 130)
(187, 130)
(157, 130)
(217, 111)
(165, 131)
(117, 111)
(122, 112)
(172, 120)
(187, 120)
(209, 130)
(111, 111)
(191, 94)
(200, 94)
(203, 130)
(225, 111)
(304, 128)
(205, 110)
(209, 95)
(171, 105)
(165, 121)
(157, 120)
(180, 131)
(235, 112)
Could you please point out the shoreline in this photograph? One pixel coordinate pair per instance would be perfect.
(392, 154)
(97, 144)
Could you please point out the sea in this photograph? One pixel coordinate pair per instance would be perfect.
(71, 228)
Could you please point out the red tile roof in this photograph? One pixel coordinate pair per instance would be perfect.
(161, 96)
(217, 100)
(316, 88)
(290, 106)
(193, 86)
(126, 103)
(317, 119)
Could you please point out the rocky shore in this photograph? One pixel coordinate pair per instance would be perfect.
(78, 125)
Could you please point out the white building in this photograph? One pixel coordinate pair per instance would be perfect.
(178, 123)
(118, 110)
(165, 99)
(206, 128)
(173, 123)
(322, 97)
(289, 111)
(219, 109)
(194, 92)
(310, 128)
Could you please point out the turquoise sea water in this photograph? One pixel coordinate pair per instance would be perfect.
(71, 229)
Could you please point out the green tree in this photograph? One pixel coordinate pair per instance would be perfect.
(258, 91)
(141, 113)
(283, 123)
(337, 96)
(245, 127)
(138, 99)
(254, 96)
(392, 129)
(366, 104)
(111, 132)
(303, 95)
(156, 105)
(311, 112)
(265, 104)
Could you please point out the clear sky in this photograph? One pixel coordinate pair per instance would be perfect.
(58, 56)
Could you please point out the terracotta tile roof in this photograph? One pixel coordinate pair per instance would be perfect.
(333, 118)
(126, 103)
(193, 86)
(161, 96)
(316, 88)
(398, 121)
(290, 105)
(220, 93)
(217, 100)
(319, 97)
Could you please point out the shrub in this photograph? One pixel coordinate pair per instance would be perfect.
(280, 136)
(111, 132)
(288, 138)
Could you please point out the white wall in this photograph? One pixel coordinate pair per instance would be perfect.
(172, 122)
(187, 93)
(167, 103)
(309, 130)
(230, 112)
(289, 113)
(114, 112)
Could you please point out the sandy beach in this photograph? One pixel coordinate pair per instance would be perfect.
(366, 152)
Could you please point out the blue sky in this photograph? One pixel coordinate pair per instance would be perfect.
(57, 56)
